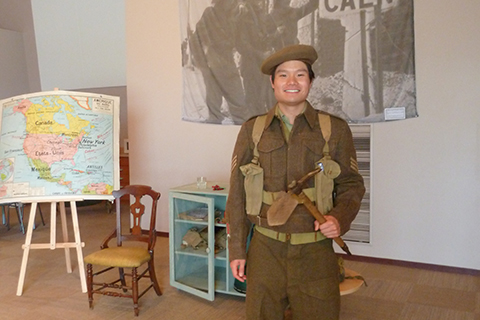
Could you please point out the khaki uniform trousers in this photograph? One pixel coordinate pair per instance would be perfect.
(304, 277)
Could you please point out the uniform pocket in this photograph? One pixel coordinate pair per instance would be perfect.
(313, 148)
(311, 152)
(316, 148)
(272, 156)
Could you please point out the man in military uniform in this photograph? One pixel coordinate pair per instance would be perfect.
(212, 45)
(291, 264)
(286, 20)
(253, 42)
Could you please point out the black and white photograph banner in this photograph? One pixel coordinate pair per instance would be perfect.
(365, 72)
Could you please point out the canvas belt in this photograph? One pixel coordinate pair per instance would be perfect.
(269, 197)
(294, 238)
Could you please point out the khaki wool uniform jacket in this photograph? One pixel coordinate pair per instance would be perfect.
(284, 162)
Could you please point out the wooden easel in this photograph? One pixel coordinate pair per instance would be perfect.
(53, 244)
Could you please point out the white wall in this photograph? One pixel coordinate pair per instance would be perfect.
(17, 16)
(13, 66)
(426, 171)
(80, 44)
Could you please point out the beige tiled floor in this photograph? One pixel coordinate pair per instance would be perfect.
(393, 292)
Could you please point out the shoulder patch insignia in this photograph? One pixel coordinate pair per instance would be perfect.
(234, 163)
(353, 164)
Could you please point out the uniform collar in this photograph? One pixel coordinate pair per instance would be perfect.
(310, 114)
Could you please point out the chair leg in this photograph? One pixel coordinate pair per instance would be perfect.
(19, 208)
(6, 216)
(135, 290)
(41, 216)
(153, 277)
(41, 213)
(90, 285)
(121, 271)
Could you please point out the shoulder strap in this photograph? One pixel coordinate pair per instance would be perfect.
(257, 132)
(326, 127)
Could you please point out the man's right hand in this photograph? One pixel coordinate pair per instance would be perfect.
(238, 269)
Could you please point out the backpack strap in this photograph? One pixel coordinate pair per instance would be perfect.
(326, 127)
(257, 132)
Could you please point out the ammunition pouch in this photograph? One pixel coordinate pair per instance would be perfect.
(253, 183)
(253, 172)
(324, 184)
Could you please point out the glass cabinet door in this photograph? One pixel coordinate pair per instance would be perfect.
(192, 231)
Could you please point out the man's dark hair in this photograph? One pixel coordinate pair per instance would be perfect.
(311, 74)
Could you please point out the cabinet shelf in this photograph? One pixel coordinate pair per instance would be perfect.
(199, 222)
(201, 271)
(191, 222)
(222, 255)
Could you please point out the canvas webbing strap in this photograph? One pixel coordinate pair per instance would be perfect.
(293, 238)
(326, 127)
(258, 128)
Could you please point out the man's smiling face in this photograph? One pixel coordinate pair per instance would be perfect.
(292, 83)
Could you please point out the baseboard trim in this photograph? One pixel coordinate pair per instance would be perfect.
(162, 234)
(410, 264)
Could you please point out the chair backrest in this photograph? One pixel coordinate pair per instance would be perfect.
(142, 196)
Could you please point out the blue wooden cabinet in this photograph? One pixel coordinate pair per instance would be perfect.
(199, 261)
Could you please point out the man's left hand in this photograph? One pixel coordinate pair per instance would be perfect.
(330, 229)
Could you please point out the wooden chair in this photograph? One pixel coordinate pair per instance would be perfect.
(134, 248)
(19, 206)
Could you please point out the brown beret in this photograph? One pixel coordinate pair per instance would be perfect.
(300, 52)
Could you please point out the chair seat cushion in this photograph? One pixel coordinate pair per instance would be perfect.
(123, 257)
